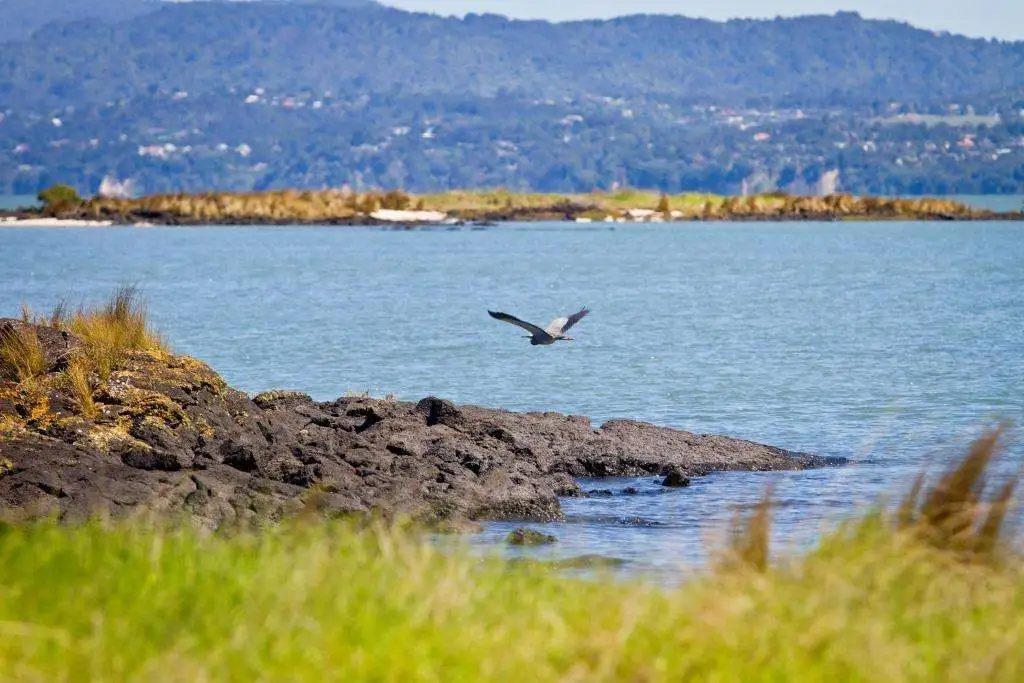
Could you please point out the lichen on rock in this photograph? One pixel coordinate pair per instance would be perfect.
(267, 399)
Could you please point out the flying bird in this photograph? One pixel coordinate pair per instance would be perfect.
(555, 331)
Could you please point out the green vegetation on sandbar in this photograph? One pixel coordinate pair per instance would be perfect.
(929, 593)
(339, 206)
(328, 205)
(58, 198)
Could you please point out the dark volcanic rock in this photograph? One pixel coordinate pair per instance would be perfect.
(675, 477)
(172, 438)
(56, 345)
(637, 522)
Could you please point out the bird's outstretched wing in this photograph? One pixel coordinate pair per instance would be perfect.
(562, 325)
(530, 327)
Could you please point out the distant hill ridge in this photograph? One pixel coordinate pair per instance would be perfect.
(364, 47)
(325, 93)
(22, 17)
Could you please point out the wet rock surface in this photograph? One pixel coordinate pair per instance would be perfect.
(675, 477)
(529, 537)
(171, 438)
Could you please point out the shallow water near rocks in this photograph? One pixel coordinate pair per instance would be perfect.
(890, 344)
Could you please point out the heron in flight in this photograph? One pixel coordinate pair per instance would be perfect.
(556, 330)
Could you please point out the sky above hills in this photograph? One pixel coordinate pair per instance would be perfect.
(985, 18)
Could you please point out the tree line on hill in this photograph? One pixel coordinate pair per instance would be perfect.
(310, 94)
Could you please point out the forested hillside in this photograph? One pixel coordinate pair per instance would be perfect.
(264, 94)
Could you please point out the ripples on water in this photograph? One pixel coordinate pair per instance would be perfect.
(890, 344)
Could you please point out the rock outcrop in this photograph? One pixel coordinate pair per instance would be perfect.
(166, 435)
(56, 345)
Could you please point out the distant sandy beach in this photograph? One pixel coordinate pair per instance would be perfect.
(15, 222)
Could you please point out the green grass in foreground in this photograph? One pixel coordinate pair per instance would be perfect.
(875, 601)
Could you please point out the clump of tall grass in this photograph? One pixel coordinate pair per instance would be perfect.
(109, 333)
(55, 319)
(21, 356)
(749, 539)
(953, 515)
(112, 330)
(78, 383)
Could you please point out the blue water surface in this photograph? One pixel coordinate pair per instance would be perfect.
(891, 344)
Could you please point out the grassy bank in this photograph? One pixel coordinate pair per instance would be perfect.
(109, 334)
(929, 594)
(336, 206)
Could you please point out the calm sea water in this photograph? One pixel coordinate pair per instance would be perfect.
(889, 344)
(994, 202)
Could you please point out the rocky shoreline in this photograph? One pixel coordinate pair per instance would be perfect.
(395, 208)
(166, 435)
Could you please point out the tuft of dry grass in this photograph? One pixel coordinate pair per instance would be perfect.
(21, 356)
(749, 539)
(113, 330)
(953, 515)
(56, 319)
(77, 379)
(109, 333)
(59, 314)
